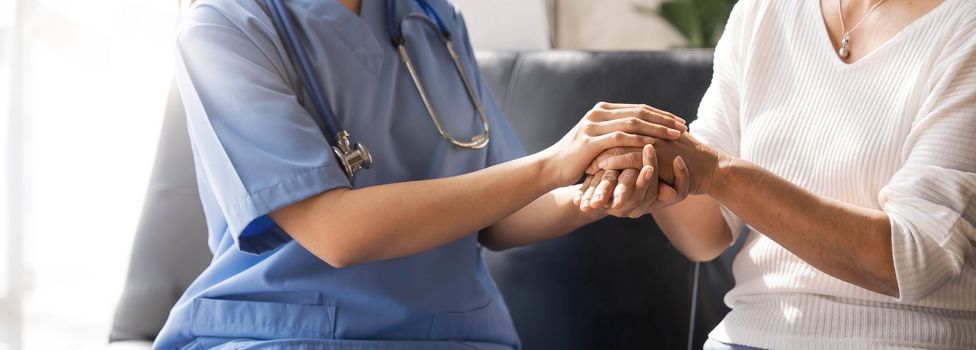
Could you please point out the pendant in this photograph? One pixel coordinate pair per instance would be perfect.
(844, 52)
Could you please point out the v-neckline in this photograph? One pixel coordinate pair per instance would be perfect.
(836, 60)
(355, 31)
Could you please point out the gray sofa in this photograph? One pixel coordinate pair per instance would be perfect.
(614, 284)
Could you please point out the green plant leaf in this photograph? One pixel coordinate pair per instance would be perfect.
(700, 21)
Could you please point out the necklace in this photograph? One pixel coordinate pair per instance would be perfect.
(846, 40)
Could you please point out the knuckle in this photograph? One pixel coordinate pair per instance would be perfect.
(591, 115)
(661, 129)
(645, 113)
(601, 105)
(588, 128)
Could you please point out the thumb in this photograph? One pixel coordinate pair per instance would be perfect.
(666, 193)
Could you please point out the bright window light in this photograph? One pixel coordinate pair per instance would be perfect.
(95, 80)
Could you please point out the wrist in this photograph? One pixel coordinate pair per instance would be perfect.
(723, 168)
(545, 170)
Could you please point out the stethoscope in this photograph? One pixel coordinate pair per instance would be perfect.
(353, 158)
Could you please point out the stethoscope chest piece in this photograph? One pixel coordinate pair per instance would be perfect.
(351, 158)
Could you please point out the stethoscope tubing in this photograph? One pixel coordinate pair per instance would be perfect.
(316, 93)
(339, 138)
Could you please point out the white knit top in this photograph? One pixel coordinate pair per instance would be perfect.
(894, 131)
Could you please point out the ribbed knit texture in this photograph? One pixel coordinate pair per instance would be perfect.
(894, 131)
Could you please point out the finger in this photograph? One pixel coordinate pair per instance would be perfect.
(626, 185)
(644, 112)
(578, 197)
(666, 194)
(588, 192)
(594, 166)
(644, 180)
(615, 105)
(609, 106)
(620, 139)
(669, 114)
(650, 157)
(637, 122)
(601, 196)
(682, 179)
(648, 173)
(640, 111)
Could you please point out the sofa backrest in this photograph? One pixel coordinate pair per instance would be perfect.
(617, 283)
(613, 284)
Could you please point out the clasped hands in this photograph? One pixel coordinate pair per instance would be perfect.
(628, 180)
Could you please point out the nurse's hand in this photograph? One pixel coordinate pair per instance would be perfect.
(607, 126)
(634, 192)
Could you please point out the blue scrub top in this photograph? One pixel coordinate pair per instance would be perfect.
(257, 150)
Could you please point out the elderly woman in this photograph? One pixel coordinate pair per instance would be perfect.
(841, 137)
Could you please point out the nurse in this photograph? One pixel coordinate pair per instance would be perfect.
(304, 256)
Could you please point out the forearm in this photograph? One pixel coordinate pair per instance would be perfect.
(695, 226)
(346, 227)
(845, 241)
(551, 215)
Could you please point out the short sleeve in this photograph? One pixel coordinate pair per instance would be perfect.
(504, 145)
(717, 124)
(930, 200)
(258, 148)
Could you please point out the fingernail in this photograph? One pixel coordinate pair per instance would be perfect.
(585, 202)
(603, 163)
(682, 120)
(680, 162)
(616, 200)
(649, 140)
(597, 197)
(674, 133)
(649, 173)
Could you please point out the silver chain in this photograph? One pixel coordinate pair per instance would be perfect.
(845, 40)
(840, 11)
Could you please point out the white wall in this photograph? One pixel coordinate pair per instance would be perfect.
(507, 24)
(611, 25)
(566, 24)
(10, 296)
(94, 77)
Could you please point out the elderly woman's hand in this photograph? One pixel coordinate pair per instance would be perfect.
(635, 192)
